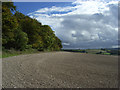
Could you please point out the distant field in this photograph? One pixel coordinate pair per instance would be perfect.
(95, 51)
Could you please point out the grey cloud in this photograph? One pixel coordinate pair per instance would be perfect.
(85, 30)
(92, 31)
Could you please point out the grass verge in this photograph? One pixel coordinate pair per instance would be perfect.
(12, 52)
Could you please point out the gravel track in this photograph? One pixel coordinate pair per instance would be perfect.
(60, 70)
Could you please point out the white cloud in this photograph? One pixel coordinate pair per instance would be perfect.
(90, 7)
(54, 8)
(66, 44)
(88, 24)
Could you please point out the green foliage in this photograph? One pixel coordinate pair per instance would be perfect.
(114, 52)
(106, 54)
(9, 24)
(22, 32)
(9, 5)
(21, 39)
(13, 52)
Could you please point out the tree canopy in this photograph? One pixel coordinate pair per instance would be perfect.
(21, 32)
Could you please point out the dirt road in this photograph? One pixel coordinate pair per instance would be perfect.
(60, 70)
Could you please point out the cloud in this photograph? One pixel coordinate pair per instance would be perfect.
(54, 8)
(87, 24)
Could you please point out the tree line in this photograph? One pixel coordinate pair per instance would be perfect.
(22, 32)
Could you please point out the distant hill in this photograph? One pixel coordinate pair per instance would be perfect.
(113, 48)
(103, 51)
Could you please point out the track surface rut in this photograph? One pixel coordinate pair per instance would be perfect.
(60, 70)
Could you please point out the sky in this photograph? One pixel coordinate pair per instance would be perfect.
(80, 24)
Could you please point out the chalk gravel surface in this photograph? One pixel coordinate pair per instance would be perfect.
(60, 70)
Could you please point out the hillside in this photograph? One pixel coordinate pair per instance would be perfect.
(21, 32)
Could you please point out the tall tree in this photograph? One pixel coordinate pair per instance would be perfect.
(9, 24)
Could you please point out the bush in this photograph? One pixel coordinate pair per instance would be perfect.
(21, 39)
(106, 53)
(28, 46)
(99, 52)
